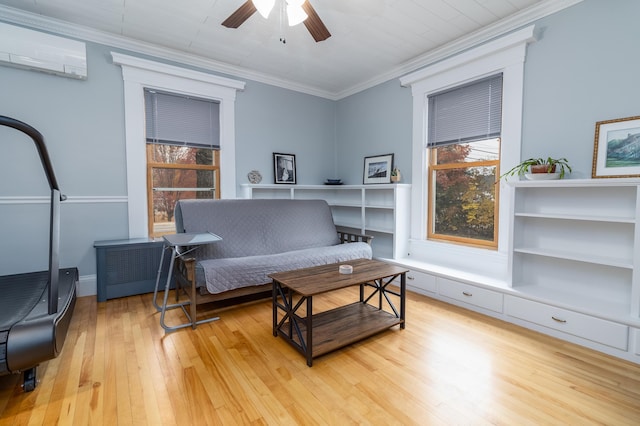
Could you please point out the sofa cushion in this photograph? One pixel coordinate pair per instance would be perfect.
(257, 227)
(231, 273)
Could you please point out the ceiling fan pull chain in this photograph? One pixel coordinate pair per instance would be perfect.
(283, 38)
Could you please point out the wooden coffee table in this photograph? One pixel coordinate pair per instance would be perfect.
(317, 334)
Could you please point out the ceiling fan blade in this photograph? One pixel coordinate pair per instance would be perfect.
(238, 17)
(314, 24)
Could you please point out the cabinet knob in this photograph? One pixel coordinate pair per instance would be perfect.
(558, 320)
(466, 293)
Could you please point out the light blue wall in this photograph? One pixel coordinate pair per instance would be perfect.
(584, 69)
(83, 126)
(376, 121)
(270, 119)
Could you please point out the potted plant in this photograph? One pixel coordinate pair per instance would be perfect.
(395, 175)
(540, 165)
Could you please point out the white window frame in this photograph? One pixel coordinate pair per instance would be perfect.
(507, 55)
(139, 74)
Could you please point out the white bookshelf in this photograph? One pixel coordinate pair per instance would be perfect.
(380, 210)
(573, 257)
(576, 242)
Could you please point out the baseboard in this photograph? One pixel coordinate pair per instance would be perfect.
(87, 286)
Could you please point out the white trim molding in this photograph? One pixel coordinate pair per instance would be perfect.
(87, 285)
(139, 74)
(77, 199)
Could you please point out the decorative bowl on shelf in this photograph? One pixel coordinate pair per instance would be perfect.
(333, 182)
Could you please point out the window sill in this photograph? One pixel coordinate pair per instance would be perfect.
(470, 264)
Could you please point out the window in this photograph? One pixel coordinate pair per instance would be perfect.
(140, 74)
(464, 157)
(183, 161)
(501, 56)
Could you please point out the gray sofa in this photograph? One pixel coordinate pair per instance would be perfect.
(259, 237)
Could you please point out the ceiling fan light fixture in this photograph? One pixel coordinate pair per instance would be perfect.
(264, 7)
(295, 14)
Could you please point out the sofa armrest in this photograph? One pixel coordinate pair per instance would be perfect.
(350, 237)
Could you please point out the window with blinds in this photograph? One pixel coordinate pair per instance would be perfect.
(183, 143)
(464, 127)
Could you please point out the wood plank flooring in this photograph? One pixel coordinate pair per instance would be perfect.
(449, 366)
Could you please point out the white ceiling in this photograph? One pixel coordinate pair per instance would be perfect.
(372, 40)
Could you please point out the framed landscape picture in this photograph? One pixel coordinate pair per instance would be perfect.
(377, 169)
(616, 151)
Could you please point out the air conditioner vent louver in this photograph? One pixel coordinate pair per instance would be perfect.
(35, 50)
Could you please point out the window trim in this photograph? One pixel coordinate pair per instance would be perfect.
(507, 55)
(139, 74)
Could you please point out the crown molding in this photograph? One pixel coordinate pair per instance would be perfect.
(506, 25)
(58, 27)
(483, 35)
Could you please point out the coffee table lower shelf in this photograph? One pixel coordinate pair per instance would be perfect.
(337, 328)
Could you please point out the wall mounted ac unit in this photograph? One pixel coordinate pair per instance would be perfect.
(34, 50)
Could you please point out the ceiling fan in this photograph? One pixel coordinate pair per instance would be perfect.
(296, 12)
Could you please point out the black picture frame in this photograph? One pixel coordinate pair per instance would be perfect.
(377, 169)
(284, 168)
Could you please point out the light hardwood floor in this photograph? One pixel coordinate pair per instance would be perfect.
(449, 366)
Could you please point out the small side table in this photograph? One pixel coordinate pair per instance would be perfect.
(180, 245)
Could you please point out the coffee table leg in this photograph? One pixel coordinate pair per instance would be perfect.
(403, 290)
(274, 303)
(309, 330)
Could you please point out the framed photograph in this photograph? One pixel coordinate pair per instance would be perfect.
(616, 151)
(378, 169)
(284, 168)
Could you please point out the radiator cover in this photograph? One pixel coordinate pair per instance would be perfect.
(129, 267)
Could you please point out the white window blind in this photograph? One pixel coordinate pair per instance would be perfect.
(467, 113)
(173, 119)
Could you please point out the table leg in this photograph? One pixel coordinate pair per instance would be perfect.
(166, 290)
(155, 291)
(403, 291)
(163, 309)
(274, 304)
(309, 330)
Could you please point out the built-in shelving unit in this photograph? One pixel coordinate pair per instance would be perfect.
(378, 210)
(574, 249)
(576, 242)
